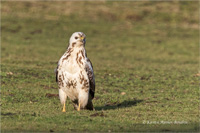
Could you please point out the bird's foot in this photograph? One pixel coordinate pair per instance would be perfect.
(64, 108)
(79, 107)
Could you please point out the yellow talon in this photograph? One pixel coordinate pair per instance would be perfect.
(64, 108)
(79, 107)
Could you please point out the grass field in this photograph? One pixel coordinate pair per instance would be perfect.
(145, 59)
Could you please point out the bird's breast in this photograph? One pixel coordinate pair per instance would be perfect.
(74, 63)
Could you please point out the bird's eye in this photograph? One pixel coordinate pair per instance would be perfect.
(76, 37)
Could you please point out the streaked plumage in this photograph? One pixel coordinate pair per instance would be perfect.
(74, 74)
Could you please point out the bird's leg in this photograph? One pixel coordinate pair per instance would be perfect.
(79, 107)
(64, 108)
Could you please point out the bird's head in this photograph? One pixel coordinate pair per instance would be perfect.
(77, 39)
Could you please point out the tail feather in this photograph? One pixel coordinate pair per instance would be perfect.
(89, 105)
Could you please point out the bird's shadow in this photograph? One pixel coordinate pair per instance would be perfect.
(116, 105)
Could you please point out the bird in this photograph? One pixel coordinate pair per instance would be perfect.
(75, 75)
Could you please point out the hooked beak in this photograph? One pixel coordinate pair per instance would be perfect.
(82, 38)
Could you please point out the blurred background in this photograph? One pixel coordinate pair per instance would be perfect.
(122, 30)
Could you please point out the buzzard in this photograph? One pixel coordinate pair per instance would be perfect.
(75, 76)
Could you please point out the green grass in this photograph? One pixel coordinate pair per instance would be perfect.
(148, 50)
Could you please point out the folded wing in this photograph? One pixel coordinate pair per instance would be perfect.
(90, 73)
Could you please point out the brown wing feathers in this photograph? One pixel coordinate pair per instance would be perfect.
(91, 78)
